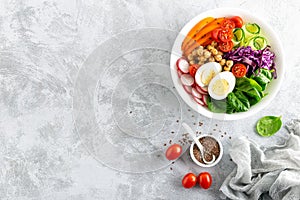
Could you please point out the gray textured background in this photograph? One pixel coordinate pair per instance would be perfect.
(42, 46)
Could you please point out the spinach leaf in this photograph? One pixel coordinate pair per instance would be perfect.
(236, 103)
(263, 78)
(268, 125)
(216, 106)
(244, 84)
(242, 98)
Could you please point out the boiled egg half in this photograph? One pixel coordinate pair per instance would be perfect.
(206, 73)
(221, 85)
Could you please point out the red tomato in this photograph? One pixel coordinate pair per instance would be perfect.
(173, 152)
(192, 69)
(189, 180)
(225, 35)
(228, 24)
(226, 46)
(215, 33)
(205, 180)
(239, 70)
(237, 21)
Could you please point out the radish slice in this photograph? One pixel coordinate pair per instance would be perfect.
(187, 79)
(179, 73)
(199, 101)
(196, 94)
(183, 65)
(204, 99)
(198, 88)
(204, 89)
(188, 89)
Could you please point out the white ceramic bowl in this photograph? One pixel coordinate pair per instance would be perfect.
(206, 165)
(276, 47)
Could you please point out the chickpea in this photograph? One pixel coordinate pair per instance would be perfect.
(190, 57)
(214, 51)
(211, 59)
(201, 47)
(200, 51)
(192, 62)
(229, 63)
(226, 68)
(220, 53)
(194, 53)
(207, 54)
(200, 63)
(202, 58)
(218, 58)
(209, 47)
(214, 43)
(222, 62)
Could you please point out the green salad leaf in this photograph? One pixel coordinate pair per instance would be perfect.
(238, 101)
(268, 125)
(263, 77)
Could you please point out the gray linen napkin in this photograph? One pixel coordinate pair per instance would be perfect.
(272, 173)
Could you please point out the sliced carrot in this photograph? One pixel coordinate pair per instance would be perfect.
(201, 24)
(208, 28)
(197, 43)
(207, 42)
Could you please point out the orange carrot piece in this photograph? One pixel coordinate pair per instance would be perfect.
(208, 28)
(200, 25)
(197, 43)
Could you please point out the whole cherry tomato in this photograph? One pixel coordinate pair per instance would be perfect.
(215, 33)
(173, 151)
(189, 180)
(237, 21)
(205, 180)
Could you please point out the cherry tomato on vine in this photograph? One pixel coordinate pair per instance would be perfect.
(237, 21)
(189, 180)
(226, 46)
(239, 70)
(205, 180)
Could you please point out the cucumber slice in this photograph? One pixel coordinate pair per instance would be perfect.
(238, 35)
(252, 28)
(258, 43)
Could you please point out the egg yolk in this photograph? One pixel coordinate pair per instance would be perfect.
(220, 87)
(207, 75)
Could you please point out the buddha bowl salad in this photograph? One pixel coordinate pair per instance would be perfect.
(226, 64)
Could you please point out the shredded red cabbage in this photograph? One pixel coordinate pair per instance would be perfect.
(253, 59)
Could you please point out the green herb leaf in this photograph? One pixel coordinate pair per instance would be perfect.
(268, 125)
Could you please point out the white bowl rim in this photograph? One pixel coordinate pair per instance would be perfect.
(227, 11)
(201, 164)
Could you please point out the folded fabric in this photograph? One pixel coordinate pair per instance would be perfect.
(271, 173)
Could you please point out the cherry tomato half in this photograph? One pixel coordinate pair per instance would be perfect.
(205, 180)
(173, 151)
(239, 70)
(237, 21)
(226, 46)
(189, 180)
(225, 35)
(193, 69)
(227, 24)
(215, 33)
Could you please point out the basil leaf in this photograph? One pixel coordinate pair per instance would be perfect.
(268, 125)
